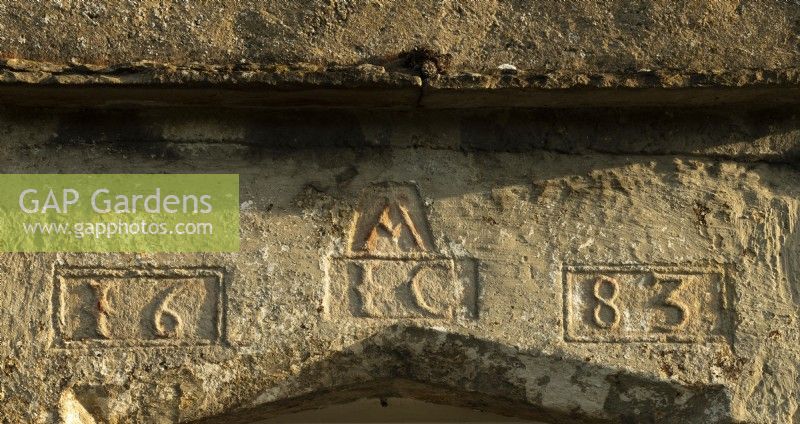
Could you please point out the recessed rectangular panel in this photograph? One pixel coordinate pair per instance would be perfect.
(138, 307)
(630, 303)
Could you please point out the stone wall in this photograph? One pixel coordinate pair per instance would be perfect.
(576, 35)
(604, 232)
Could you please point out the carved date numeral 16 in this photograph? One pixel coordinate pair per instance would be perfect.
(164, 314)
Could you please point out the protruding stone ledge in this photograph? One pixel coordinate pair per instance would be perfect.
(380, 85)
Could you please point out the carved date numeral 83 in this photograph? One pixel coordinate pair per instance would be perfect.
(606, 312)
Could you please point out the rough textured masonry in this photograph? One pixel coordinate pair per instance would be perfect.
(602, 229)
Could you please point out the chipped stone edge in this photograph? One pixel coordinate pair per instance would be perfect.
(305, 75)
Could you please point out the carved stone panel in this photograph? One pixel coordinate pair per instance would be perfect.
(631, 303)
(145, 307)
(392, 266)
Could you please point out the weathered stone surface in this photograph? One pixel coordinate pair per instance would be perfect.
(563, 212)
(389, 254)
(576, 35)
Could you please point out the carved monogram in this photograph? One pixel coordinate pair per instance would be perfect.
(393, 268)
(392, 224)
